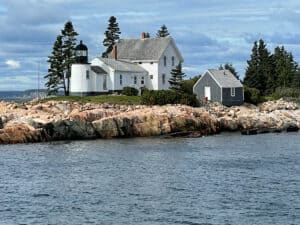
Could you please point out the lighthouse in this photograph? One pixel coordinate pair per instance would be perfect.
(81, 82)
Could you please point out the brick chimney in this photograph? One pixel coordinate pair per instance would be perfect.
(143, 36)
(115, 52)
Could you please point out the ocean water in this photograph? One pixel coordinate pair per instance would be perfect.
(222, 179)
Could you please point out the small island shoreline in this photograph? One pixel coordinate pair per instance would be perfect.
(37, 121)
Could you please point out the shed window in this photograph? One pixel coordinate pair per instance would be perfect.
(232, 92)
(121, 79)
(173, 61)
(135, 80)
(165, 60)
(87, 75)
(164, 78)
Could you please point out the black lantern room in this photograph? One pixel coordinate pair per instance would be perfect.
(81, 52)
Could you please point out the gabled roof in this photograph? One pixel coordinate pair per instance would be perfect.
(143, 49)
(98, 70)
(120, 65)
(224, 78)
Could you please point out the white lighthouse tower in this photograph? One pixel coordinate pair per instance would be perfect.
(80, 81)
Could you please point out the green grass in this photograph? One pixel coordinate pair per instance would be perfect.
(110, 99)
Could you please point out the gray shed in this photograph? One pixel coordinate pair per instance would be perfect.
(219, 86)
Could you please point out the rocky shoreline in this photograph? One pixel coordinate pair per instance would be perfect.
(61, 120)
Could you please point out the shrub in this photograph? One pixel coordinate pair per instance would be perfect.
(164, 97)
(130, 91)
(252, 95)
(287, 92)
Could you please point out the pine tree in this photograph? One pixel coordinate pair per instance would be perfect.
(252, 69)
(56, 70)
(176, 80)
(112, 35)
(69, 43)
(61, 59)
(163, 31)
(284, 67)
(259, 67)
(229, 66)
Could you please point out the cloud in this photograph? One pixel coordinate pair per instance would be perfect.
(207, 33)
(13, 64)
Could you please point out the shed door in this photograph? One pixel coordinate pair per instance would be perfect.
(207, 93)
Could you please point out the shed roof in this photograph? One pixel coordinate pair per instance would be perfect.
(143, 49)
(225, 78)
(120, 65)
(98, 70)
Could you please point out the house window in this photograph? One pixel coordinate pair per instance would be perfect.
(140, 62)
(87, 75)
(142, 81)
(151, 63)
(104, 83)
(151, 77)
(173, 61)
(121, 79)
(135, 80)
(164, 78)
(232, 92)
(165, 60)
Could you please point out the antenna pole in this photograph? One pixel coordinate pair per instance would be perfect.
(38, 88)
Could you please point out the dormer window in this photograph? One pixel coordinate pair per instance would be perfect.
(173, 61)
(165, 60)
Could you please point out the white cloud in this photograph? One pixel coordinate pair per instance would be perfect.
(13, 64)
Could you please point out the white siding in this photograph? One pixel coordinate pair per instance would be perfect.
(80, 83)
(152, 68)
(78, 80)
(162, 69)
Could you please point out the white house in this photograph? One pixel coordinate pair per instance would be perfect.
(145, 62)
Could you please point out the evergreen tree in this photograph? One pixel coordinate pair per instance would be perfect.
(56, 70)
(296, 79)
(61, 59)
(163, 31)
(265, 66)
(229, 66)
(259, 67)
(284, 67)
(69, 44)
(176, 80)
(112, 35)
(252, 69)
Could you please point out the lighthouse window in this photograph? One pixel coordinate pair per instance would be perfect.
(87, 75)
(165, 60)
(151, 77)
(81, 53)
(173, 61)
(121, 79)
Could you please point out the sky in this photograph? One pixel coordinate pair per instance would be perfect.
(208, 33)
